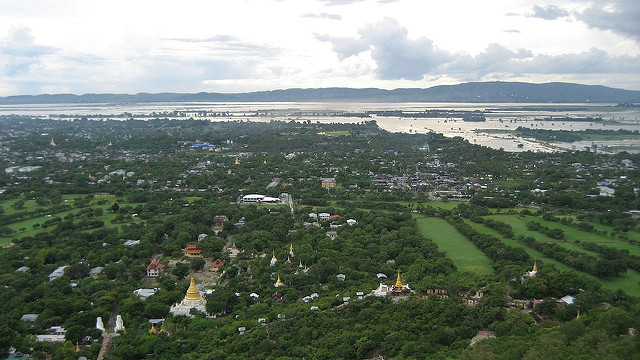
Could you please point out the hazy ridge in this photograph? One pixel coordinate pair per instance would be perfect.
(477, 92)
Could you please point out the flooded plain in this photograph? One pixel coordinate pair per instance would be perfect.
(495, 132)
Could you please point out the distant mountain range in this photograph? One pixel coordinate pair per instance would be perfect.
(476, 92)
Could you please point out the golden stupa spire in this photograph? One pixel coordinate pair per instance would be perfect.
(130, 136)
(265, 161)
(77, 346)
(300, 265)
(291, 249)
(398, 284)
(278, 282)
(274, 256)
(192, 292)
(153, 329)
(535, 266)
(288, 259)
(163, 329)
(237, 161)
(578, 315)
(53, 143)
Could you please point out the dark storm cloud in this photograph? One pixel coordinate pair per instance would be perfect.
(621, 17)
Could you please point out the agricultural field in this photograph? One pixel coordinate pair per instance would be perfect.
(629, 281)
(465, 255)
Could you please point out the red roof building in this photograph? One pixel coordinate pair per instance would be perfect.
(192, 250)
(155, 269)
(216, 265)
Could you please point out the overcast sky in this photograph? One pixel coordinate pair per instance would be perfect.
(74, 46)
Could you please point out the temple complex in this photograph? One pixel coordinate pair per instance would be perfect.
(192, 300)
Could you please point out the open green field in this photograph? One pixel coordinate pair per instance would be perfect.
(465, 255)
(26, 227)
(629, 281)
(571, 234)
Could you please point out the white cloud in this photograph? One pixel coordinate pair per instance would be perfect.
(323, 16)
(621, 17)
(548, 12)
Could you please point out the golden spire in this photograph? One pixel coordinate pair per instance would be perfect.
(300, 265)
(192, 292)
(53, 143)
(291, 249)
(535, 266)
(578, 316)
(265, 161)
(77, 346)
(288, 260)
(274, 258)
(398, 285)
(110, 143)
(278, 282)
(163, 329)
(237, 161)
(153, 329)
(130, 136)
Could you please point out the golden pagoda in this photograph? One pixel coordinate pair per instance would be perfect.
(237, 161)
(274, 260)
(77, 346)
(288, 260)
(300, 265)
(53, 143)
(535, 266)
(192, 300)
(130, 136)
(398, 287)
(578, 315)
(192, 292)
(291, 249)
(163, 329)
(264, 162)
(278, 282)
(153, 329)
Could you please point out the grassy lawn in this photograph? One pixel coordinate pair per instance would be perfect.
(29, 230)
(465, 255)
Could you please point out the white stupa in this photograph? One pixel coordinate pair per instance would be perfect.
(119, 324)
(99, 324)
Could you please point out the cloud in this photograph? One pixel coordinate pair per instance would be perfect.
(21, 52)
(548, 12)
(226, 43)
(621, 17)
(346, 2)
(323, 16)
(396, 56)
